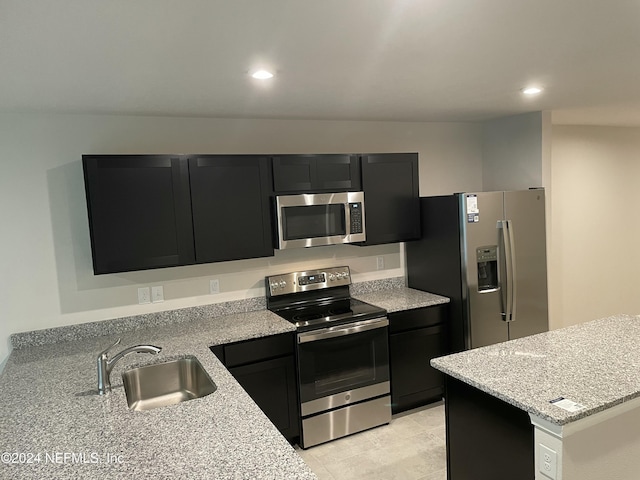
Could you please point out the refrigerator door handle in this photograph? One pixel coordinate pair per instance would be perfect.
(508, 284)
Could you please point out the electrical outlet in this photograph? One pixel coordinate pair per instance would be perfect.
(144, 295)
(214, 286)
(548, 462)
(157, 294)
(380, 263)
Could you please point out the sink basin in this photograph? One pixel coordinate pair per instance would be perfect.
(166, 383)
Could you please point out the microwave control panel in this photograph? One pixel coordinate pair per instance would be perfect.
(355, 212)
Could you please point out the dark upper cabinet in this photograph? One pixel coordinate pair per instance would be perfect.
(230, 202)
(151, 211)
(139, 211)
(391, 196)
(315, 173)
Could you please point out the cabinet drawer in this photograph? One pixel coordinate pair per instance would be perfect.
(417, 318)
(257, 350)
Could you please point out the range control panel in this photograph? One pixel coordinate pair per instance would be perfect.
(309, 280)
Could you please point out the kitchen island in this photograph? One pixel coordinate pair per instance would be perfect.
(563, 405)
(54, 426)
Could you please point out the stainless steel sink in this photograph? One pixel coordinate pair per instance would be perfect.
(166, 383)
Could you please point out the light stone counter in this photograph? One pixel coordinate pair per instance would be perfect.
(49, 407)
(400, 298)
(596, 364)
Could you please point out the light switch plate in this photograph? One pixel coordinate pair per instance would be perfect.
(214, 286)
(157, 294)
(144, 295)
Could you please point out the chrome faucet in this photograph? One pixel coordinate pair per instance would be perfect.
(105, 365)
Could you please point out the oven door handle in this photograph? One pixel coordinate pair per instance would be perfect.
(341, 330)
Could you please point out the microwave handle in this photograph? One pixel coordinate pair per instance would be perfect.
(349, 329)
(347, 219)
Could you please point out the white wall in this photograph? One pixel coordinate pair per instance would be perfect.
(47, 279)
(512, 152)
(516, 153)
(596, 232)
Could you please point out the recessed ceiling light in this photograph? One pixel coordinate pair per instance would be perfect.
(262, 74)
(531, 90)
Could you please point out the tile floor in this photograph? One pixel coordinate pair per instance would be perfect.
(411, 447)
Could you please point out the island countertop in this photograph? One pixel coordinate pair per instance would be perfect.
(595, 364)
(52, 417)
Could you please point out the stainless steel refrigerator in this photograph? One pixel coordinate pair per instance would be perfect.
(487, 252)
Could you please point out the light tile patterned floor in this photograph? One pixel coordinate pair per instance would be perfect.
(411, 447)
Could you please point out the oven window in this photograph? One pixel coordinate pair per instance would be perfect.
(312, 221)
(343, 363)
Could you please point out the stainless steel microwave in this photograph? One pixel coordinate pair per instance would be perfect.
(314, 219)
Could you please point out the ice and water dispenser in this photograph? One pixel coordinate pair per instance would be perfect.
(487, 260)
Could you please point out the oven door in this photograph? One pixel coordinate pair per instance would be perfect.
(310, 220)
(342, 365)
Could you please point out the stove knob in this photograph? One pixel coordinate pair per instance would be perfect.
(282, 284)
(332, 277)
(273, 285)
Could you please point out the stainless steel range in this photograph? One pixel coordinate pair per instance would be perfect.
(342, 353)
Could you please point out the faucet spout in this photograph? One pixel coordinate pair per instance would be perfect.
(106, 364)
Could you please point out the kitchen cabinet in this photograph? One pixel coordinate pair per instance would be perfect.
(150, 211)
(392, 198)
(230, 203)
(265, 368)
(478, 425)
(139, 211)
(415, 337)
(316, 173)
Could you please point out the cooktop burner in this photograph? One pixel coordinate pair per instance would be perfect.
(306, 317)
(317, 299)
(326, 314)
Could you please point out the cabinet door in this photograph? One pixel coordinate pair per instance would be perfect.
(294, 173)
(139, 211)
(230, 202)
(272, 385)
(391, 195)
(414, 381)
(337, 172)
(316, 173)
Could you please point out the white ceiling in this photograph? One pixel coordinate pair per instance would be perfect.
(413, 60)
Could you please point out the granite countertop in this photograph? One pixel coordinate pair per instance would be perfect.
(401, 298)
(50, 408)
(596, 364)
(51, 412)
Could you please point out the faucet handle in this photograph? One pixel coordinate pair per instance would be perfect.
(104, 352)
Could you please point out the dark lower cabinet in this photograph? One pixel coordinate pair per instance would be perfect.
(266, 369)
(230, 202)
(392, 198)
(415, 337)
(139, 211)
(487, 439)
